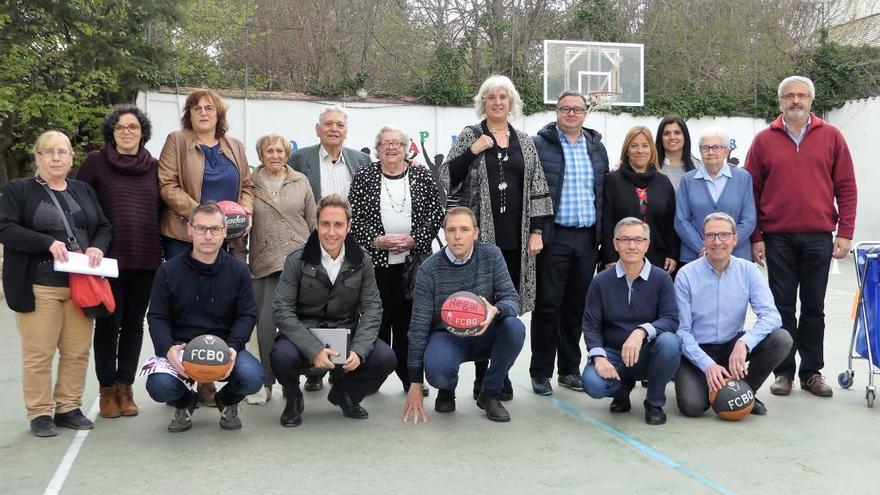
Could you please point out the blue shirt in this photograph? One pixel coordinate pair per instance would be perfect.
(714, 184)
(797, 138)
(577, 201)
(221, 179)
(712, 307)
(454, 260)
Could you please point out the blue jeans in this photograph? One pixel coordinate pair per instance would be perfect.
(500, 344)
(658, 362)
(246, 379)
(174, 248)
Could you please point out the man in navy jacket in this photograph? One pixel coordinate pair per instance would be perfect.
(629, 325)
(575, 163)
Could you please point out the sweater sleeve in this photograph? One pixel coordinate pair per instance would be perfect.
(592, 321)
(684, 221)
(667, 307)
(420, 323)
(748, 215)
(159, 315)
(845, 189)
(245, 310)
(103, 229)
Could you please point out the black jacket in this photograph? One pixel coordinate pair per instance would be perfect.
(305, 298)
(553, 162)
(25, 247)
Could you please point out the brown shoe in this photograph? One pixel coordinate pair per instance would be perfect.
(817, 386)
(782, 386)
(108, 403)
(126, 400)
(206, 394)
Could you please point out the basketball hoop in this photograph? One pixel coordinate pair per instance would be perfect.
(602, 100)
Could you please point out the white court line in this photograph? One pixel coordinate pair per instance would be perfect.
(67, 462)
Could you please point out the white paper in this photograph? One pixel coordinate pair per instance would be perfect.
(79, 263)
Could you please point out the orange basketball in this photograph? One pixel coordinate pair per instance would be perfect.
(733, 401)
(206, 358)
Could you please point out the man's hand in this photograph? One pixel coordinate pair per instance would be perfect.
(482, 144)
(605, 369)
(59, 251)
(536, 244)
(669, 265)
(758, 253)
(232, 356)
(716, 375)
(322, 358)
(630, 350)
(491, 312)
(172, 358)
(841, 247)
(737, 362)
(95, 256)
(414, 404)
(352, 362)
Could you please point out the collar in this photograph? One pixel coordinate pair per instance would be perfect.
(562, 137)
(456, 261)
(708, 266)
(703, 174)
(322, 154)
(325, 256)
(806, 126)
(646, 270)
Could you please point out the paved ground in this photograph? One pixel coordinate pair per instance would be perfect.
(553, 445)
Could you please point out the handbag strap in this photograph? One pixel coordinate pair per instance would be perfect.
(71, 238)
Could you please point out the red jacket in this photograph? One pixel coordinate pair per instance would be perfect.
(796, 185)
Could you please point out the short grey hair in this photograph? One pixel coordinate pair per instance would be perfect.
(623, 222)
(271, 138)
(493, 84)
(796, 79)
(566, 94)
(332, 109)
(390, 128)
(720, 216)
(715, 132)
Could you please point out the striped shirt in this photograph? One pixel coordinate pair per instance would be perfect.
(577, 201)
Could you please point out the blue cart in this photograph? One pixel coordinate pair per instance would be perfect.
(865, 341)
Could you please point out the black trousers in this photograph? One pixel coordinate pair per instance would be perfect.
(513, 260)
(289, 364)
(797, 265)
(118, 337)
(565, 269)
(691, 388)
(396, 313)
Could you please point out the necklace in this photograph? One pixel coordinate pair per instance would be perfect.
(503, 156)
(397, 206)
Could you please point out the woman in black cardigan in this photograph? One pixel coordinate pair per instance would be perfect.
(396, 212)
(637, 189)
(33, 234)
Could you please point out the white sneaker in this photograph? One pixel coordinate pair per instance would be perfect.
(259, 398)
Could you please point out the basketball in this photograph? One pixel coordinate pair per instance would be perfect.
(206, 358)
(236, 218)
(463, 312)
(733, 401)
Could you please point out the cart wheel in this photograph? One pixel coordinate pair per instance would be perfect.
(845, 379)
(869, 397)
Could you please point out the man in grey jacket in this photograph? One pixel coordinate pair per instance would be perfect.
(329, 283)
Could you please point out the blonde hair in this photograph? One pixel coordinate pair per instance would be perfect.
(271, 138)
(49, 136)
(630, 136)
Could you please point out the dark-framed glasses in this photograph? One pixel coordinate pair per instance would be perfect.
(574, 110)
(206, 108)
(631, 240)
(129, 129)
(390, 144)
(215, 230)
(721, 236)
(705, 148)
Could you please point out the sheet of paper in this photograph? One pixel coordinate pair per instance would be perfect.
(79, 263)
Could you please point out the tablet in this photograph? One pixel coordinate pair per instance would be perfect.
(336, 339)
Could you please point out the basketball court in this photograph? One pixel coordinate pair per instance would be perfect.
(567, 443)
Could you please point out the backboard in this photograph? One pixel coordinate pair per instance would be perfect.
(588, 67)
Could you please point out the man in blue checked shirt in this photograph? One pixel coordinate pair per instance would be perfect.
(575, 163)
(713, 294)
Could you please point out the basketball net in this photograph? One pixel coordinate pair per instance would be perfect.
(602, 100)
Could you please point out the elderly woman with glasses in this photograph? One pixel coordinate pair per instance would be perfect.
(35, 215)
(396, 213)
(714, 186)
(494, 170)
(124, 176)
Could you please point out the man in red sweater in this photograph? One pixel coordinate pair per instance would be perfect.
(800, 166)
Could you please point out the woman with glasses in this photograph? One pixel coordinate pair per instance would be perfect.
(33, 212)
(284, 217)
(124, 176)
(637, 189)
(674, 149)
(714, 186)
(494, 170)
(200, 163)
(396, 213)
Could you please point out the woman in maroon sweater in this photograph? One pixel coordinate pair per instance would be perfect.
(124, 176)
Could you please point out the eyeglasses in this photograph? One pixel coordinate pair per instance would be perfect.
(705, 148)
(800, 96)
(131, 129)
(202, 229)
(61, 152)
(721, 236)
(207, 108)
(631, 240)
(574, 110)
(390, 144)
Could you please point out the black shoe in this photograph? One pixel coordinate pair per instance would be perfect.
(75, 420)
(349, 408)
(292, 415)
(654, 415)
(314, 383)
(620, 405)
(494, 408)
(42, 426)
(574, 382)
(541, 386)
(445, 401)
(229, 419)
(759, 409)
(182, 418)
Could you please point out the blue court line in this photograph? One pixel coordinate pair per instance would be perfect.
(644, 449)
